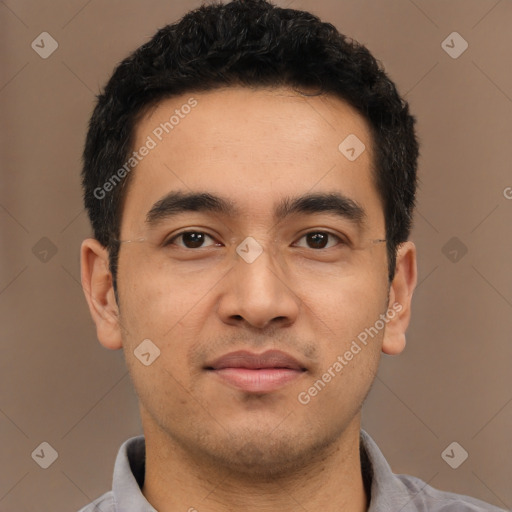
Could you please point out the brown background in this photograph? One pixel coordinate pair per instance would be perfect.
(452, 383)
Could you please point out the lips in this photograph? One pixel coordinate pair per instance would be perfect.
(256, 373)
(244, 359)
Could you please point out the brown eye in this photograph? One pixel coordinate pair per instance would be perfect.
(190, 239)
(319, 239)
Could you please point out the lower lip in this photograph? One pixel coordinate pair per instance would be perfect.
(258, 380)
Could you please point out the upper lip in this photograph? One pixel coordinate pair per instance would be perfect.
(251, 360)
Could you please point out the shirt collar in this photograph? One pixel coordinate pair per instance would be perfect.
(387, 492)
(128, 478)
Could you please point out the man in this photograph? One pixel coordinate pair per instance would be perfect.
(250, 177)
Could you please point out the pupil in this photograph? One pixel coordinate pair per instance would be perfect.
(193, 239)
(318, 239)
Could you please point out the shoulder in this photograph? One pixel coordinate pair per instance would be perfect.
(105, 503)
(393, 492)
(428, 499)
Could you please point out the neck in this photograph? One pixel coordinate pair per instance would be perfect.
(176, 480)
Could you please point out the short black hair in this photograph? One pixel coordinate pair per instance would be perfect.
(249, 43)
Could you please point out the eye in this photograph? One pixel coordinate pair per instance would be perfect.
(190, 239)
(319, 239)
(196, 240)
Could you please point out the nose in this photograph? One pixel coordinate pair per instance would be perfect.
(258, 293)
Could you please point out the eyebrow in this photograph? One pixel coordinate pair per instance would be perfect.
(176, 203)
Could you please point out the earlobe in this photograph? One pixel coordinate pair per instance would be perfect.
(400, 299)
(99, 292)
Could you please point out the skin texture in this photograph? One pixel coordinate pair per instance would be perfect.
(210, 445)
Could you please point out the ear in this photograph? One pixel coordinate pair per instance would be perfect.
(99, 291)
(400, 298)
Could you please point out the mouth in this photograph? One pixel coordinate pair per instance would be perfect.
(256, 373)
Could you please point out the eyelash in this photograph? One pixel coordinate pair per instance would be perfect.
(171, 240)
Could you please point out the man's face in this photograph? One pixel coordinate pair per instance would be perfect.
(307, 293)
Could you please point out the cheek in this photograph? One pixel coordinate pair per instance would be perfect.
(161, 389)
(167, 307)
(164, 383)
(155, 298)
(345, 315)
(346, 303)
(345, 324)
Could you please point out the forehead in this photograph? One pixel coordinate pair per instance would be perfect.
(254, 146)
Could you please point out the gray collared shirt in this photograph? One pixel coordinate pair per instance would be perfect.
(389, 492)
